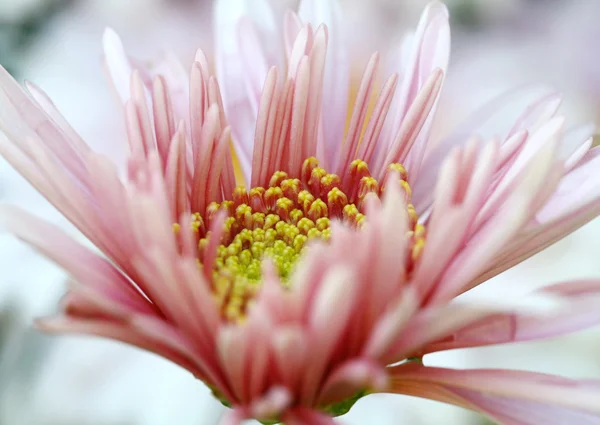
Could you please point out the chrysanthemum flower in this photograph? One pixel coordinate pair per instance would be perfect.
(335, 269)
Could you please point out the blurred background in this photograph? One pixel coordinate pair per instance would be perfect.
(497, 44)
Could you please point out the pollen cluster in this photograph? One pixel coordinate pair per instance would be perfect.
(278, 221)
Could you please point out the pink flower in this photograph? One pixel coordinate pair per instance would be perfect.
(337, 270)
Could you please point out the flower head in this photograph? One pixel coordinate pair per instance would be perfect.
(333, 270)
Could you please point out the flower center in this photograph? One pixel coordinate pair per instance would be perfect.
(277, 221)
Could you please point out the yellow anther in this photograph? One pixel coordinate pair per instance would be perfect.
(258, 220)
(245, 257)
(228, 206)
(359, 220)
(283, 207)
(280, 227)
(258, 235)
(256, 199)
(305, 224)
(399, 169)
(277, 178)
(336, 201)
(212, 209)
(308, 166)
(295, 216)
(350, 212)
(276, 223)
(412, 214)
(417, 249)
(360, 167)
(419, 231)
(407, 190)
(367, 185)
(328, 182)
(317, 210)
(291, 188)
(271, 220)
(299, 242)
(257, 249)
(305, 200)
(270, 236)
(271, 196)
(314, 182)
(322, 223)
(197, 223)
(240, 196)
(243, 211)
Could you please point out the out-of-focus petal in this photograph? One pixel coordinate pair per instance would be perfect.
(336, 80)
(510, 397)
(578, 310)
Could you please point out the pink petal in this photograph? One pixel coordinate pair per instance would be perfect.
(491, 120)
(336, 80)
(305, 416)
(500, 229)
(327, 325)
(117, 63)
(459, 197)
(511, 397)
(85, 266)
(231, 66)
(579, 311)
(275, 401)
(121, 332)
(233, 417)
(429, 50)
(351, 377)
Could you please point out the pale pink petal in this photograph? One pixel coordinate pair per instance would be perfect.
(166, 346)
(83, 265)
(577, 311)
(430, 50)
(327, 325)
(291, 352)
(231, 70)
(305, 416)
(572, 147)
(336, 80)
(551, 130)
(359, 111)
(540, 237)
(117, 63)
(233, 417)
(350, 378)
(516, 396)
(275, 401)
(500, 229)
(459, 197)
(233, 347)
(492, 120)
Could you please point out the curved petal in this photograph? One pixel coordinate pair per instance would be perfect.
(336, 79)
(578, 310)
(492, 120)
(230, 64)
(430, 50)
(510, 397)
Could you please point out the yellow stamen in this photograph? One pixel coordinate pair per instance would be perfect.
(277, 221)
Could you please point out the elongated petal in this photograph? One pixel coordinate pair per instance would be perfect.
(336, 79)
(495, 117)
(578, 311)
(230, 66)
(513, 397)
